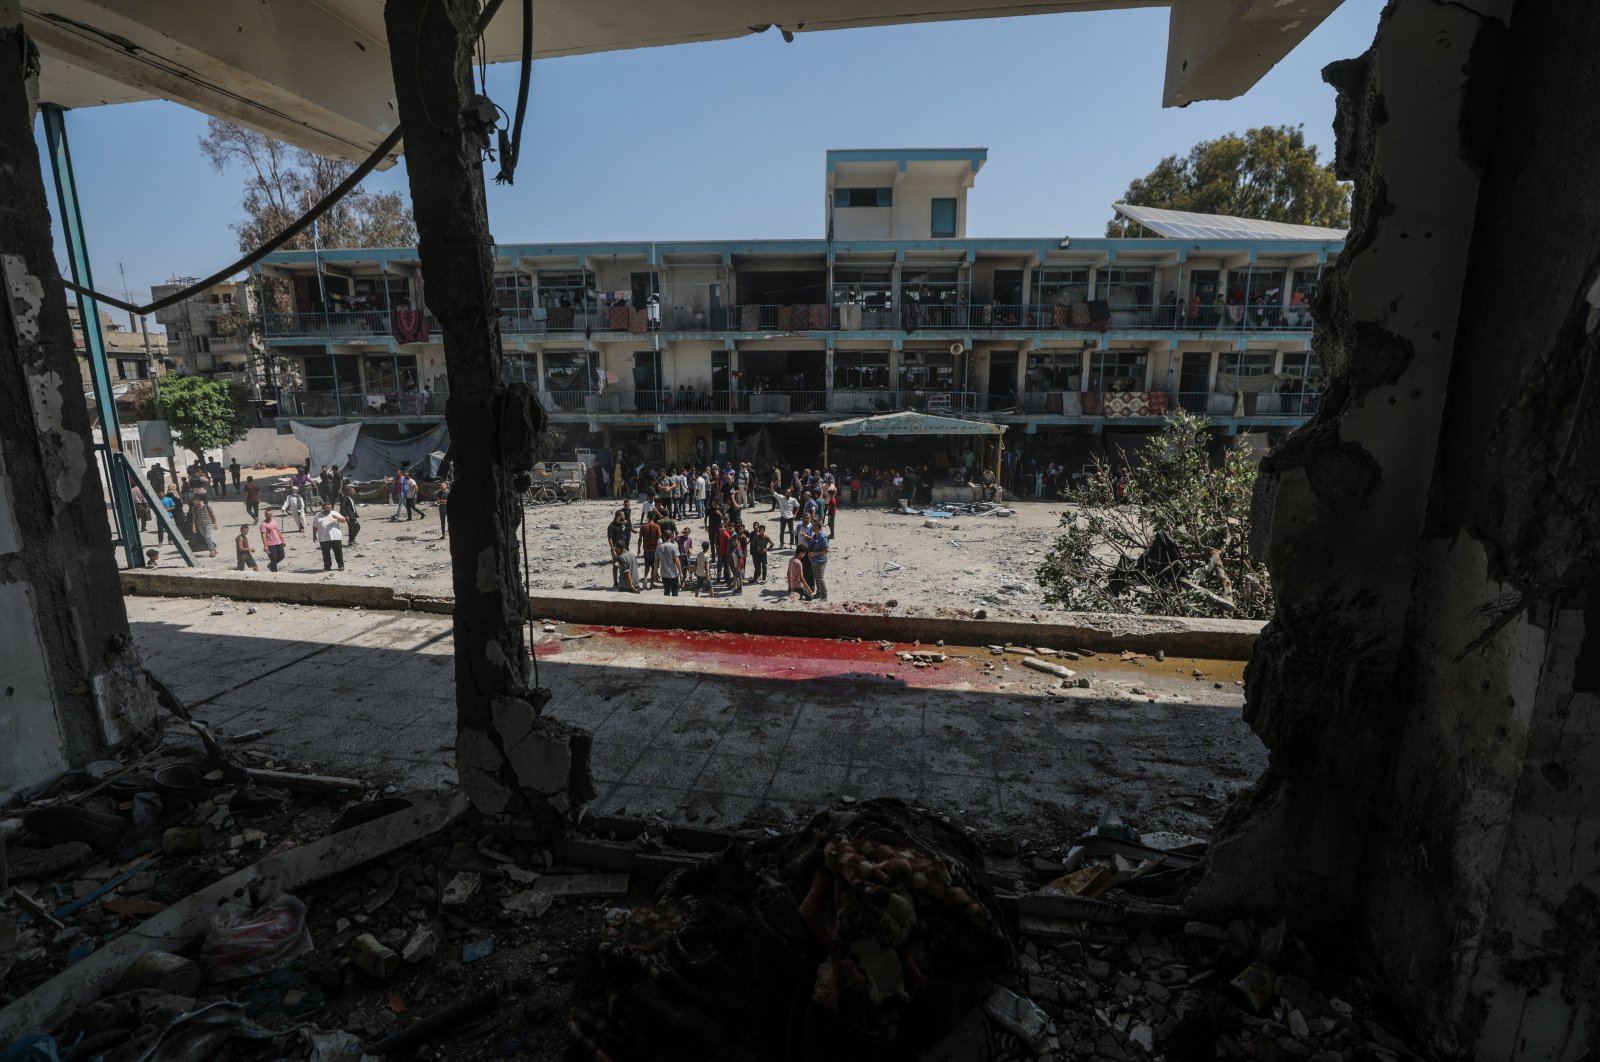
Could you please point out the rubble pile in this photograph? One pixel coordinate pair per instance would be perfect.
(1121, 972)
(200, 912)
(860, 936)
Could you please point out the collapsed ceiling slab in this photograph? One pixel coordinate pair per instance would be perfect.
(316, 73)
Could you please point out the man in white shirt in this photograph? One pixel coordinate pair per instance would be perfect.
(327, 531)
(700, 495)
(788, 508)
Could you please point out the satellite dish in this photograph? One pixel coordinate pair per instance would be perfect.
(957, 348)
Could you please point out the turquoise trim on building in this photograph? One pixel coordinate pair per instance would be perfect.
(976, 156)
(1044, 248)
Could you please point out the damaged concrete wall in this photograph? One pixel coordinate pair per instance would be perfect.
(71, 686)
(1428, 689)
(523, 771)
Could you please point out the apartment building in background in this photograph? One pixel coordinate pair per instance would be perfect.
(203, 331)
(679, 349)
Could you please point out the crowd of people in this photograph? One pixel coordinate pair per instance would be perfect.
(658, 546)
(326, 502)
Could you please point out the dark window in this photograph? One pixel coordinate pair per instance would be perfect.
(1118, 370)
(1302, 364)
(930, 369)
(944, 217)
(1055, 371)
(856, 370)
(1251, 362)
(513, 291)
(863, 197)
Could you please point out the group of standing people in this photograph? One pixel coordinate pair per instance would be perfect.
(325, 501)
(661, 547)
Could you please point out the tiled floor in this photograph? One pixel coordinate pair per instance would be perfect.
(716, 730)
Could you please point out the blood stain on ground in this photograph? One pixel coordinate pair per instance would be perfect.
(786, 657)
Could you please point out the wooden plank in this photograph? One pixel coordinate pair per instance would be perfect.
(583, 886)
(319, 783)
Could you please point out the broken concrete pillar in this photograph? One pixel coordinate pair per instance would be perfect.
(70, 686)
(513, 765)
(1428, 689)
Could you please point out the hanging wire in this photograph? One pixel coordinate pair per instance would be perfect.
(290, 231)
(511, 148)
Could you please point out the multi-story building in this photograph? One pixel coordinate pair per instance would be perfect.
(208, 333)
(672, 349)
(130, 355)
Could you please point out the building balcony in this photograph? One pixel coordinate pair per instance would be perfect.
(909, 317)
(684, 406)
(352, 325)
(394, 405)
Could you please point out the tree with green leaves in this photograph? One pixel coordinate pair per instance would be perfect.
(1270, 174)
(1103, 560)
(207, 413)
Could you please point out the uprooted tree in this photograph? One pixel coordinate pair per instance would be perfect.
(1168, 535)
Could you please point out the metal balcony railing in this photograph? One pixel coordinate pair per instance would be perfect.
(344, 323)
(998, 315)
(916, 316)
(771, 317)
(361, 404)
(856, 317)
(1170, 317)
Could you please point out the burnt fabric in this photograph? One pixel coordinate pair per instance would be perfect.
(864, 936)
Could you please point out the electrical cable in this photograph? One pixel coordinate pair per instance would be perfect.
(511, 149)
(290, 231)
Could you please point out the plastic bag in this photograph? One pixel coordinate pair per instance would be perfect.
(244, 944)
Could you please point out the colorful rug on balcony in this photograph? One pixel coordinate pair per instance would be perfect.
(410, 326)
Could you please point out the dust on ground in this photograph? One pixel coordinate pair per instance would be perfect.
(876, 555)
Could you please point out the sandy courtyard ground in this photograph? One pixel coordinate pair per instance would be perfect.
(962, 562)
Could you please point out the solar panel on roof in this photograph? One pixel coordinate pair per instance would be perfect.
(1185, 225)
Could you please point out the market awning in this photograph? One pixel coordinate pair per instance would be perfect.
(888, 424)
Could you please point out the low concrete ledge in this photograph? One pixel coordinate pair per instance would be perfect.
(1212, 639)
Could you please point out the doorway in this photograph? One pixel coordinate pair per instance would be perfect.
(1002, 380)
(1194, 381)
(646, 380)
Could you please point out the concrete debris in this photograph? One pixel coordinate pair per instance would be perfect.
(532, 903)
(1020, 1017)
(1058, 670)
(461, 888)
(373, 959)
(421, 947)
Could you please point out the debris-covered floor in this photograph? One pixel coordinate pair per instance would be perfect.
(722, 730)
(323, 895)
(323, 925)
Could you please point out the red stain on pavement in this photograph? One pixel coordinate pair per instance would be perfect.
(785, 657)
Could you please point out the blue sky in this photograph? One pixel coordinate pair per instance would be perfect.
(726, 140)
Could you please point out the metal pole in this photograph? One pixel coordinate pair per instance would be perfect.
(55, 128)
